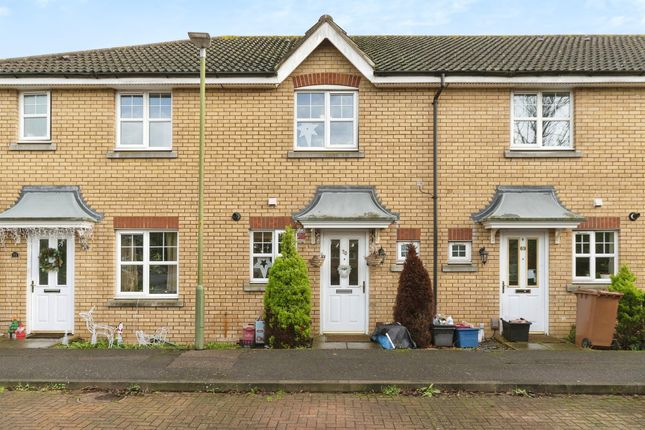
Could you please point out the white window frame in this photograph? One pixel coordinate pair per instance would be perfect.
(401, 244)
(460, 260)
(21, 102)
(145, 146)
(327, 91)
(275, 240)
(540, 119)
(146, 265)
(592, 256)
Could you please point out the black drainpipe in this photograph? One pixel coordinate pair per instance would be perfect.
(435, 209)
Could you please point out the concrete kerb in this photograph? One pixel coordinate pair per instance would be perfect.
(328, 386)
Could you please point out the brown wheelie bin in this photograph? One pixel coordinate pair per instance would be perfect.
(596, 317)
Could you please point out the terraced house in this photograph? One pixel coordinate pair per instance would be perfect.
(538, 173)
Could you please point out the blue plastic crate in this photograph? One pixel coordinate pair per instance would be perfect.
(467, 337)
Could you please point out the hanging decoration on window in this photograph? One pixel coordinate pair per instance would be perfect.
(344, 270)
(16, 234)
(50, 260)
(308, 131)
(263, 265)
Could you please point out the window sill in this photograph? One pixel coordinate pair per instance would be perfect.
(141, 154)
(145, 303)
(325, 154)
(574, 286)
(33, 146)
(396, 267)
(254, 287)
(458, 267)
(518, 153)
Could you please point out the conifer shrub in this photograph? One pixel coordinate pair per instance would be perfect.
(414, 299)
(287, 298)
(630, 327)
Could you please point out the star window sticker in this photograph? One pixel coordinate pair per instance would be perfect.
(263, 265)
(308, 131)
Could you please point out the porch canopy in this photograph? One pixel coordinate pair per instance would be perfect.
(345, 207)
(526, 207)
(48, 209)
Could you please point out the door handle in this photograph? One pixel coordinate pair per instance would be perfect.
(32, 286)
(363, 287)
(503, 287)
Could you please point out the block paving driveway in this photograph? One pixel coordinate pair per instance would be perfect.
(82, 410)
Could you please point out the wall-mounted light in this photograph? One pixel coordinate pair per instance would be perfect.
(381, 253)
(483, 255)
(633, 216)
(236, 216)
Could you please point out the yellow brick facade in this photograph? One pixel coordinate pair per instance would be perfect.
(249, 133)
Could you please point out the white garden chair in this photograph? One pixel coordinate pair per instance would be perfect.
(98, 329)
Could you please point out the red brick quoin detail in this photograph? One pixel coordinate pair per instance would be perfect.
(460, 233)
(408, 234)
(164, 222)
(326, 78)
(270, 222)
(600, 223)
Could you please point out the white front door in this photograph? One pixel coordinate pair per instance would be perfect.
(524, 277)
(343, 283)
(51, 293)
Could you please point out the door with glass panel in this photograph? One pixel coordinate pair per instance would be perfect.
(524, 278)
(51, 291)
(344, 283)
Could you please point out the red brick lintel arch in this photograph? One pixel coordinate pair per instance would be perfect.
(326, 78)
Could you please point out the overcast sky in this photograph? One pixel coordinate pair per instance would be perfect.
(29, 27)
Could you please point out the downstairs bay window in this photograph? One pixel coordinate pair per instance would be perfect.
(147, 264)
(595, 256)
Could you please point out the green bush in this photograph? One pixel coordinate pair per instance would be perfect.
(287, 298)
(630, 329)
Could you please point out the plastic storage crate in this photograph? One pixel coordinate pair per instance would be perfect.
(442, 335)
(516, 332)
(467, 337)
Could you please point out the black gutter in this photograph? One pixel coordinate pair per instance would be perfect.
(435, 210)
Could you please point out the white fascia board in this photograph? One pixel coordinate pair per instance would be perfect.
(345, 225)
(528, 225)
(273, 81)
(326, 31)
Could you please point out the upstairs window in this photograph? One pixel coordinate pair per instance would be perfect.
(541, 120)
(35, 116)
(144, 121)
(595, 255)
(326, 120)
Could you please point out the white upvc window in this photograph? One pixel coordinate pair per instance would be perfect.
(542, 120)
(265, 248)
(144, 121)
(595, 256)
(459, 252)
(402, 249)
(35, 116)
(147, 264)
(326, 120)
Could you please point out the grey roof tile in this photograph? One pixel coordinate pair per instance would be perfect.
(260, 55)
